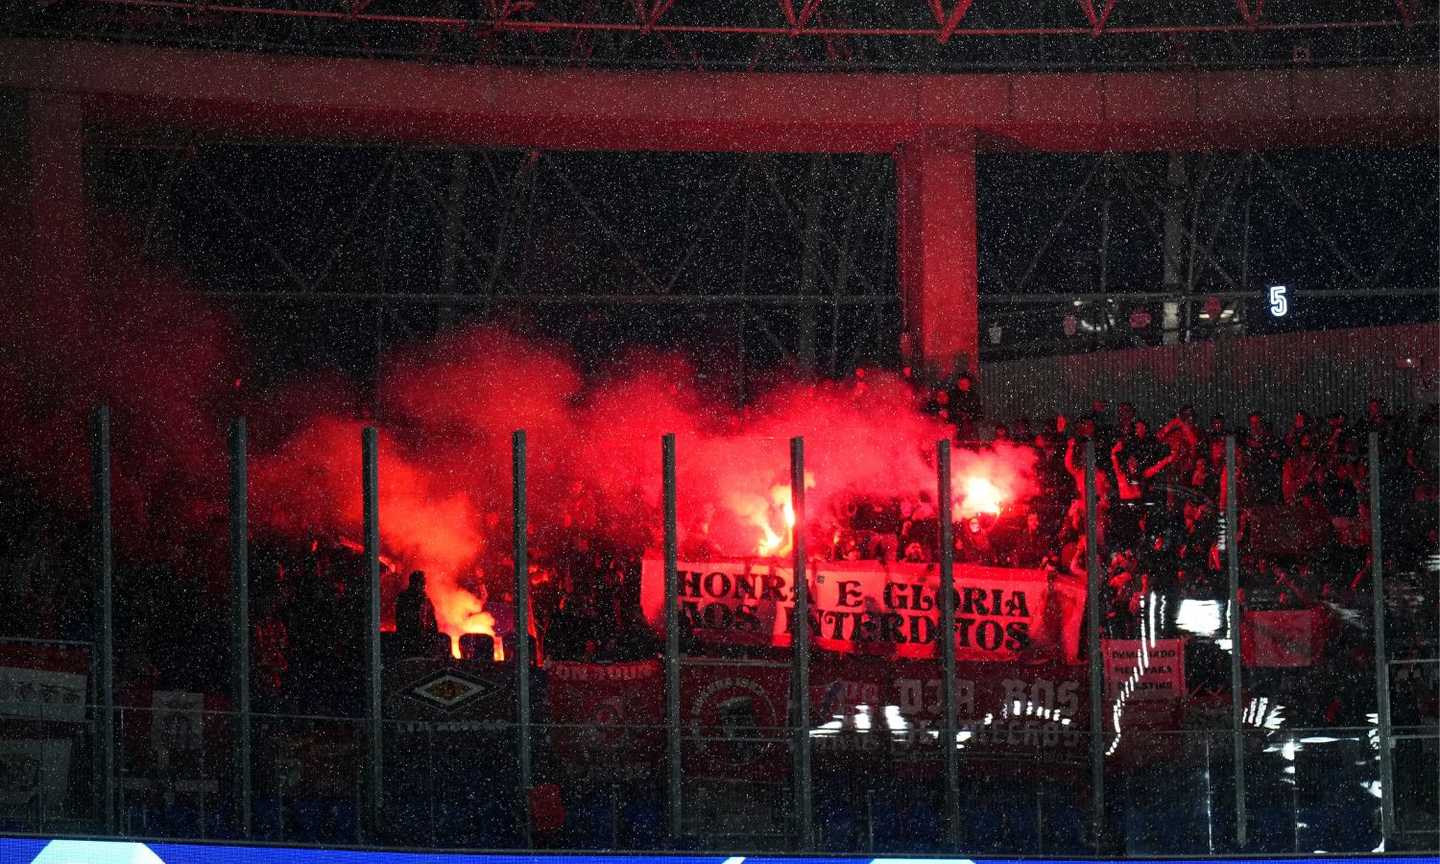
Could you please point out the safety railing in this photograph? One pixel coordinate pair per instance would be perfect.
(1237, 666)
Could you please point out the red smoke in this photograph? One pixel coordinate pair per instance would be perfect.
(139, 342)
(448, 408)
(446, 411)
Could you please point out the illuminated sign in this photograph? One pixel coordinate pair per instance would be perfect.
(1279, 301)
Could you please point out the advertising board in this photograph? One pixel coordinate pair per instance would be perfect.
(65, 851)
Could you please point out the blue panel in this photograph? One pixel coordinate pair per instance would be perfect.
(66, 851)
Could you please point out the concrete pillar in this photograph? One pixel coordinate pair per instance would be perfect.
(57, 194)
(938, 256)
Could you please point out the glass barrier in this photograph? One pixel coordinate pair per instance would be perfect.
(1409, 548)
(308, 774)
(47, 752)
(176, 764)
(1307, 755)
(739, 779)
(454, 783)
(449, 786)
(1174, 793)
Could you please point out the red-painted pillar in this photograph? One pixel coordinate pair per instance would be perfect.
(938, 269)
(57, 194)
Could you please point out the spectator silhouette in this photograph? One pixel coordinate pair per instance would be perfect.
(965, 410)
(415, 617)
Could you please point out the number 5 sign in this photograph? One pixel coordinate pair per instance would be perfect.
(1279, 302)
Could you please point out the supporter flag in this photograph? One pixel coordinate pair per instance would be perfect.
(1284, 531)
(1281, 638)
(871, 607)
(1144, 680)
(861, 705)
(734, 717)
(547, 810)
(43, 683)
(607, 717)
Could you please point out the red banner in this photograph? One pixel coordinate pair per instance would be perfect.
(734, 715)
(997, 709)
(734, 718)
(879, 609)
(607, 718)
(1281, 638)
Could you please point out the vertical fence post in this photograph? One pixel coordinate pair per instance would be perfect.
(1382, 656)
(1209, 803)
(869, 818)
(240, 578)
(370, 489)
(800, 651)
(672, 638)
(522, 628)
(1093, 597)
(104, 561)
(1237, 682)
(947, 646)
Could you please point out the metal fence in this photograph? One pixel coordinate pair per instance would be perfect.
(1319, 372)
(1280, 748)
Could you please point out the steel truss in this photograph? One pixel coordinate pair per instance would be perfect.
(786, 34)
(778, 252)
(1205, 227)
(790, 259)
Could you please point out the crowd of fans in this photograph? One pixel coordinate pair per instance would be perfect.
(1160, 489)
(1304, 538)
(1302, 494)
(1302, 498)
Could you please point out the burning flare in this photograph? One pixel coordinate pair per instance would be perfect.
(773, 542)
(458, 612)
(981, 496)
(772, 515)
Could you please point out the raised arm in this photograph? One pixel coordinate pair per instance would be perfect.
(1123, 484)
(1159, 466)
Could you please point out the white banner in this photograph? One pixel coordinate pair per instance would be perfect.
(42, 695)
(1144, 681)
(34, 776)
(1145, 672)
(869, 607)
(176, 731)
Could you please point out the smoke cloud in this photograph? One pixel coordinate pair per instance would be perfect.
(170, 367)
